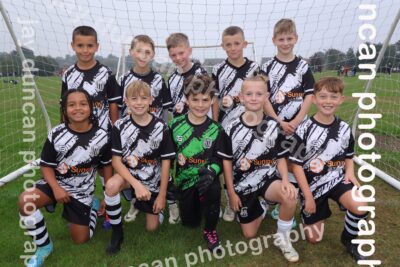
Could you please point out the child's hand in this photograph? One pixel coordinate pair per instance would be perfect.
(234, 201)
(309, 206)
(350, 178)
(159, 204)
(287, 128)
(227, 101)
(142, 193)
(293, 125)
(61, 195)
(289, 189)
(102, 208)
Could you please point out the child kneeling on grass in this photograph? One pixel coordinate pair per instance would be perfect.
(322, 163)
(252, 173)
(71, 156)
(142, 148)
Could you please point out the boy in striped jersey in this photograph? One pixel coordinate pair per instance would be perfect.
(290, 85)
(322, 152)
(258, 153)
(142, 148)
(229, 76)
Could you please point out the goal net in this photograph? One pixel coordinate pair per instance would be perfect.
(328, 40)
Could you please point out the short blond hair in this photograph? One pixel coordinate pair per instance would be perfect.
(285, 26)
(137, 88)
(232, 30)
(177, 39)
(144, 39)
(256, 78)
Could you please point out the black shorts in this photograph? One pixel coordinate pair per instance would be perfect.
(251, 207)
(192, 206)
(74, 211)
(145, 206)
(322, 206)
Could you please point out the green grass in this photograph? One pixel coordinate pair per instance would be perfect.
(175, 240)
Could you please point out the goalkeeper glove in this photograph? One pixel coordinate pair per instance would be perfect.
(206, 178)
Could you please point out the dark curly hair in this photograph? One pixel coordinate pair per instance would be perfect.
(64, 100)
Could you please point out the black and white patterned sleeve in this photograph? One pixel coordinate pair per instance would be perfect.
(49, 154)
(116, 148)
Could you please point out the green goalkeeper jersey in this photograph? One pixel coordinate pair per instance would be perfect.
(203, 145)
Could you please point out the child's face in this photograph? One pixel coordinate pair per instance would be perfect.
(285, 43)
(85, 47)
(78, 109)
(253, 95)
(139, 104)
(234, 45)
(180, 55)
(142, 53)
(327, 102)
(199, 104)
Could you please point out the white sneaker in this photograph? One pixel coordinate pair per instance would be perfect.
(229, 214)
(174, 217)
(264, 206)
(130, 216)
(288, 251)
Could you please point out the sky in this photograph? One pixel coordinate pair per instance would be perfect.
(321, 24)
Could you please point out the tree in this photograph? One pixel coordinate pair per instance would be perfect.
(351, 59)
(317, 61)
(333, 58)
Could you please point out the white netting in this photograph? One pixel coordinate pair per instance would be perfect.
(327, 29)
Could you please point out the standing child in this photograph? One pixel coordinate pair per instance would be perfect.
(179, 51)
(258, 153)
(72, 153)
(200, 143)
(324, 168)
(142, 148)
(142, 52)
(290, 84)
(229, 76)
(92, 76)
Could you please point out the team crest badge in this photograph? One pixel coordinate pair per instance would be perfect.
(317, 165)
(207, 143)
(154, 144)
(181, 159)
(243, 212)
(62, 168)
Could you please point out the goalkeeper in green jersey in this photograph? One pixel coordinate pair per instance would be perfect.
(200, 144)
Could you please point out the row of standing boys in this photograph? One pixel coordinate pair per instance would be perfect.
(244, 125)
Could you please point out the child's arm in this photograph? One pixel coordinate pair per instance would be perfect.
(141, 192)
(349, 172)
(60, 194)
(234, 199)
(114, 112)
(159, 203)
(271, 112)
(287, 187)
(298, 172)
(305, 108)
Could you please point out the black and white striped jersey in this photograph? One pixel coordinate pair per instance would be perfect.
(321, 150)
(99, 83)
(75, 158)
(255, 152)
(228, 82)
(159, 91)
(175, 85)
(142, 148)
(289, 83)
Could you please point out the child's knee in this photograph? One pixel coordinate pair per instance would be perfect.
(112, 187)
(80, 239)
(249, 234)
(25, 203)
(151, 227)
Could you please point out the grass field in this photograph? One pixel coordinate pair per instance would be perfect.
(174, 240)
